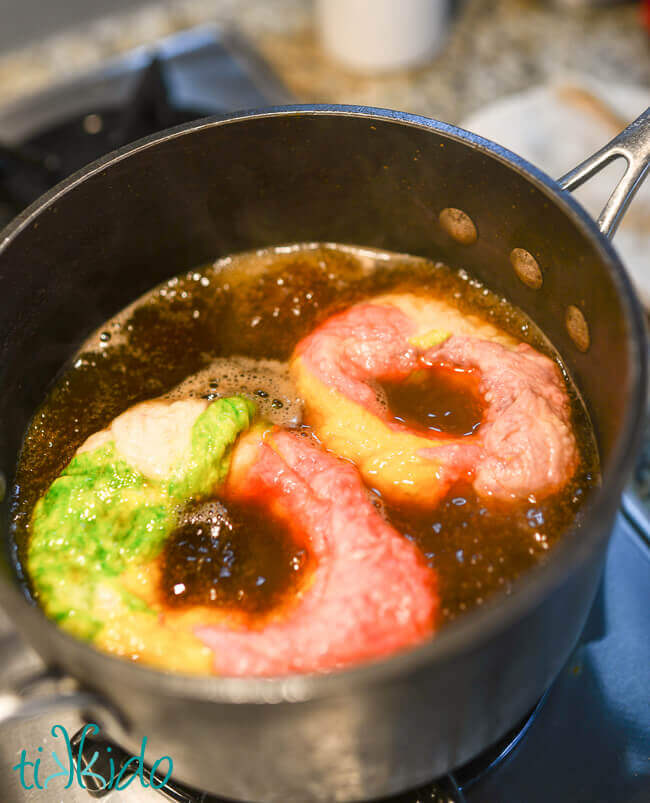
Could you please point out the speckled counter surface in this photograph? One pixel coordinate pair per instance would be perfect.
(494, 47)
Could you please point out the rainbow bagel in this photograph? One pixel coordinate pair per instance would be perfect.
(99, 534)
(524, 444)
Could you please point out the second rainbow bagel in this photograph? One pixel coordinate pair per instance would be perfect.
(524, 445)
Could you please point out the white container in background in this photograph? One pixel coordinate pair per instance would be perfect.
(382, 35)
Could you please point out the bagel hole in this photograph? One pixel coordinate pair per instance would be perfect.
(232, 556)
(438, 399)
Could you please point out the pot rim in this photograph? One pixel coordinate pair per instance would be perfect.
(475, 627)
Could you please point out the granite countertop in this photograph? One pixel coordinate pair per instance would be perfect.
(494, 47)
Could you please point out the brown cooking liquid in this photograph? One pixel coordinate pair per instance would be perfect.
(439, 399)
(231, 556)
(260, 305)
(478, 548)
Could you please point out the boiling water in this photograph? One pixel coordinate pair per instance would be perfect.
(230, 328)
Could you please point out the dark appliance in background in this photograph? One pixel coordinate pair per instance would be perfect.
(196, 73)
(588, 739)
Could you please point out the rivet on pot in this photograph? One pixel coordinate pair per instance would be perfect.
(527, 268)
(577, 327)
(458, 225)
(93, 124)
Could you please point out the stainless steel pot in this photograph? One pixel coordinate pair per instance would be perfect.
(363, 176)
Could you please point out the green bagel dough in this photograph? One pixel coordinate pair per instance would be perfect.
(101, 516)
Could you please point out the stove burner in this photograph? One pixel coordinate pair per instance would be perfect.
(30, 169)
(98, 754)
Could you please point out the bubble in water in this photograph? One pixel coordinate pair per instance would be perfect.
(266, 382)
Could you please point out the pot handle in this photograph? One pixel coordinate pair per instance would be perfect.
(47, 691)
(633, 145)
